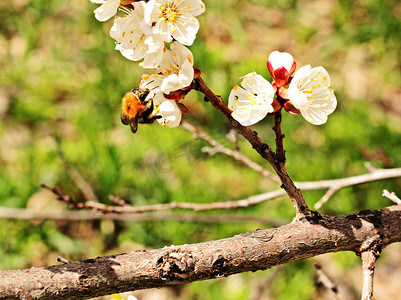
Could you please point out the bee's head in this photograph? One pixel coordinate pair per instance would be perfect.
(142, 94)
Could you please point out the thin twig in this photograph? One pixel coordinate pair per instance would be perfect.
(63, 260)
(264, 284)
(323, 279)
(77, 177)
(368, 269)
(392, 196)
(250, 201)
(232, 136)
(330, 192)
(337, 184)
(280, 152)
(219, 148)
(82, 215)
(378, 174)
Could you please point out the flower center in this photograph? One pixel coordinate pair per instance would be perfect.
(253, 99)
(169, 12)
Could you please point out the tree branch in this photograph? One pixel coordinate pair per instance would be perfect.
(261, 147)
(368, 269)
(280, 152)
(333, 184)
(252, 251)
(324, 280)
(392, 196)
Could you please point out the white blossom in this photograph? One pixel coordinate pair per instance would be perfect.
(135, 38)
(253, 101)
(310, 92)
(175, 19)
(175, 71)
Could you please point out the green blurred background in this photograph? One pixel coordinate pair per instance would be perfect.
(61, 82)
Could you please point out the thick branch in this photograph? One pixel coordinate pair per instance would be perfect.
(174, 265)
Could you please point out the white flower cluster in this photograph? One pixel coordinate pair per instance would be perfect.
(308, 92)
(141, 34)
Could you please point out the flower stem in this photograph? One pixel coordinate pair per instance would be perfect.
(280, 152)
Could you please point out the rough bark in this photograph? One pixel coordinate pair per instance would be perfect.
(251, 251)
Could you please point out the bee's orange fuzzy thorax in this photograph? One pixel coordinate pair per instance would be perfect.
(131, 106)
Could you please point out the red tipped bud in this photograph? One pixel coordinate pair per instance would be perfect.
(281, 66)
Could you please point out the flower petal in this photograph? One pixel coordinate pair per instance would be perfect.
(168, 110)
(107, 10)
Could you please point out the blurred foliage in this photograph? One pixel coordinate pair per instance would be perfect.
(61, 82)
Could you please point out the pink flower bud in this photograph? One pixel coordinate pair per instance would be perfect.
(281, 65)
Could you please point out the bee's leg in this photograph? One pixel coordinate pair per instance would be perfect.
(124, 119)
(134, 127)
(132, 122)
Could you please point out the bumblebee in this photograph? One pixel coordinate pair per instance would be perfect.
(136, 108)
